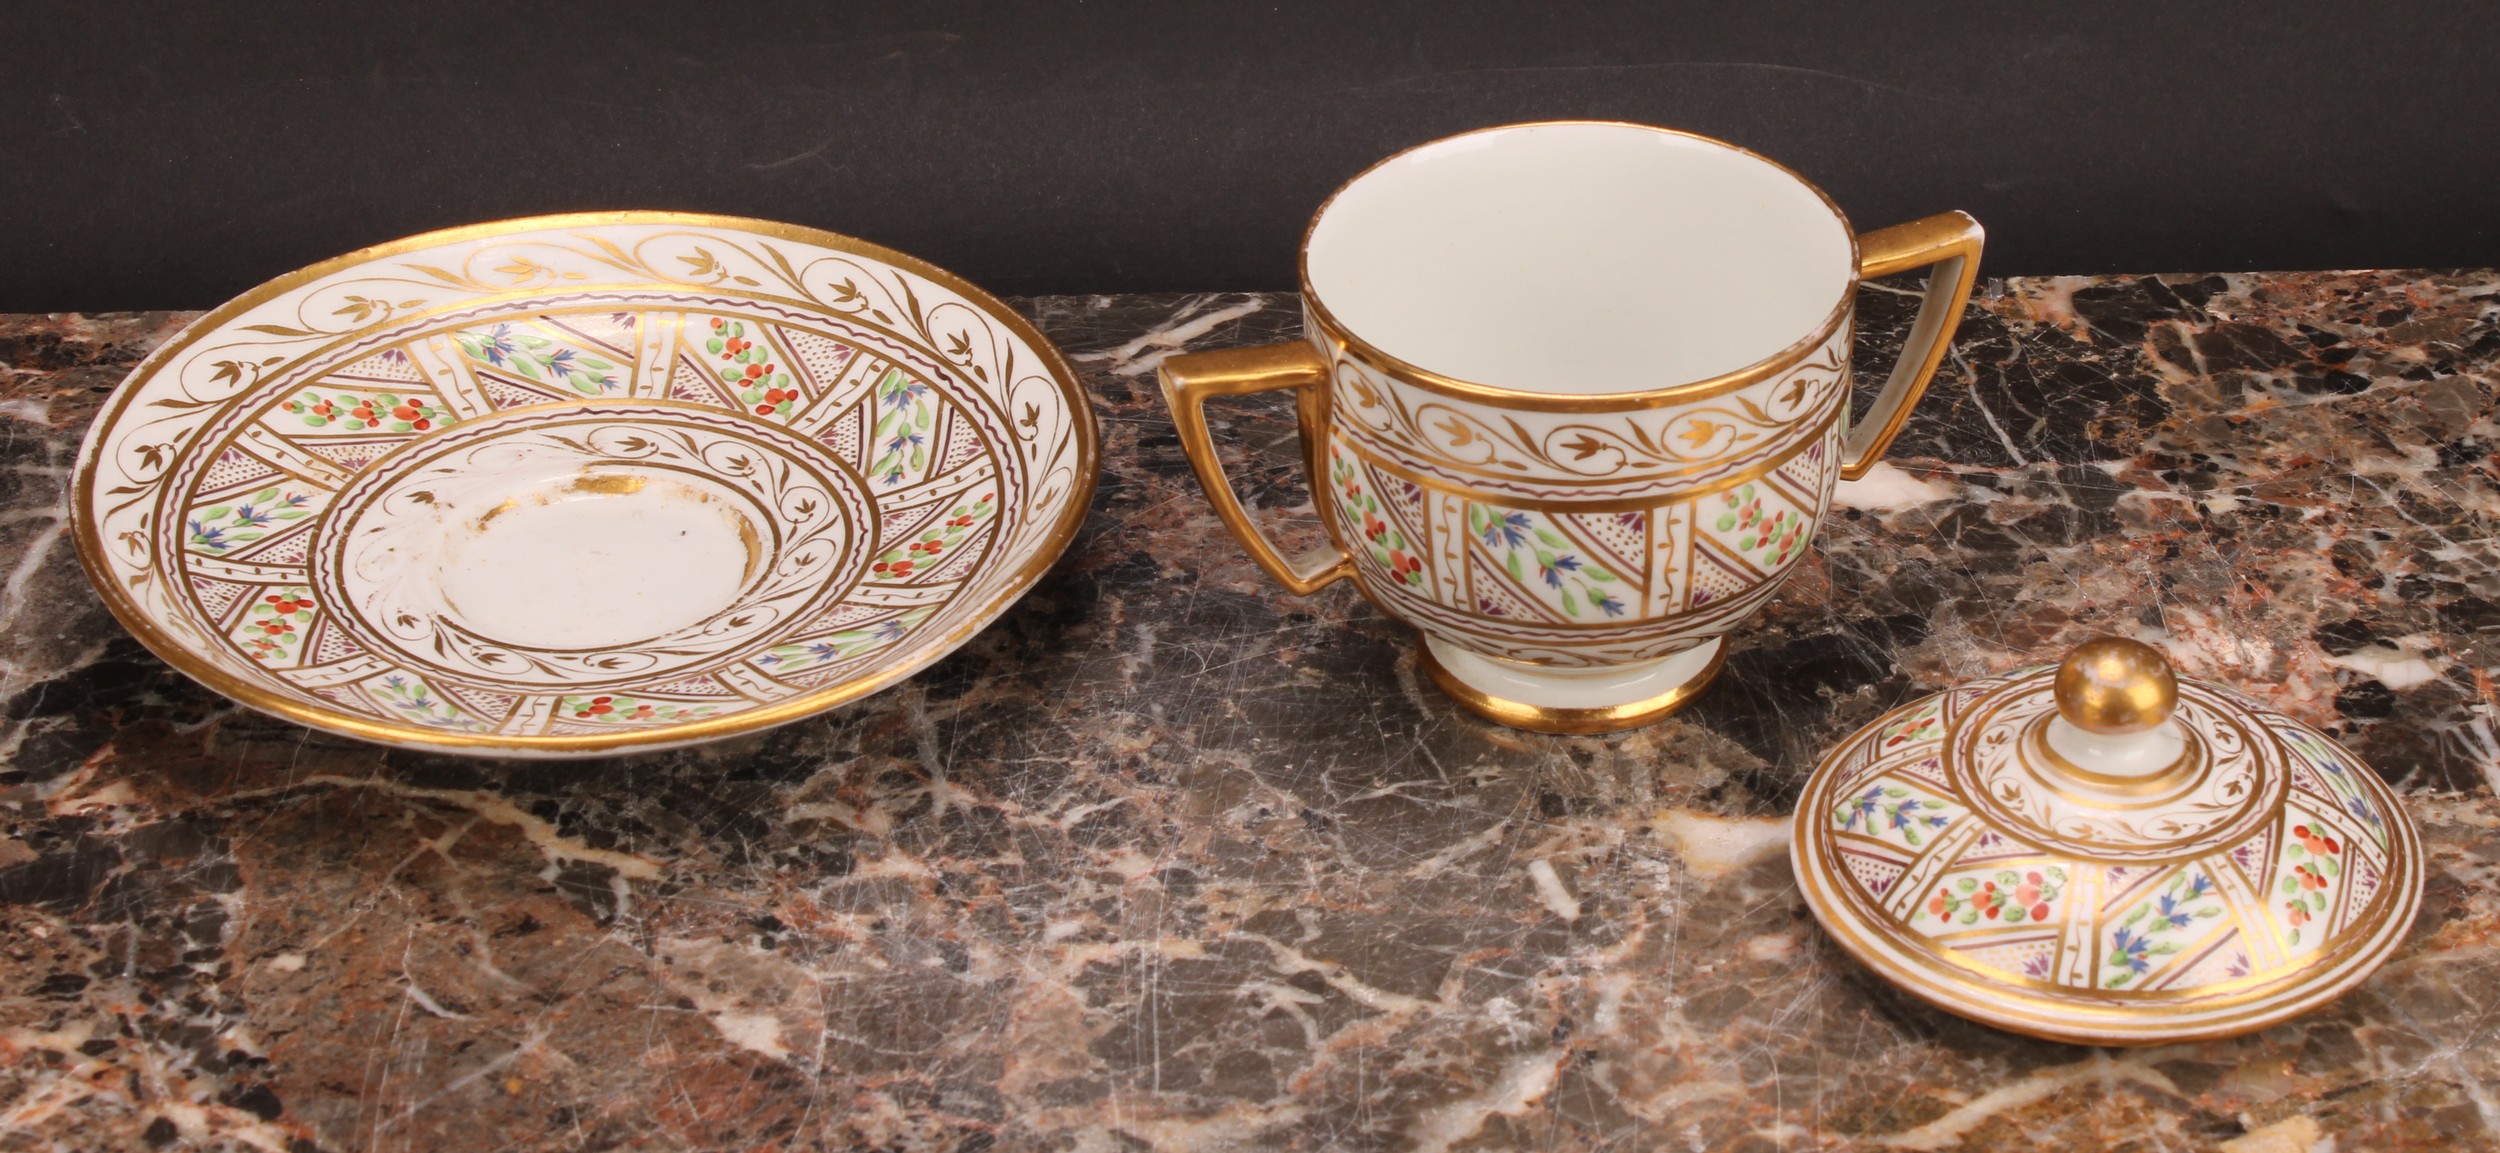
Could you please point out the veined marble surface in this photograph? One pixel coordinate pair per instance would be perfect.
(1170, 860)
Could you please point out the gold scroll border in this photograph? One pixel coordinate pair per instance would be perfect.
(1783, 440)
(1958, 766)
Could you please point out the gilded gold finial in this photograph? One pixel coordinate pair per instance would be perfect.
(2115, 686)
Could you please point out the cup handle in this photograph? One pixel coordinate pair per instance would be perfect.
(1951, 242)
(1187, 383)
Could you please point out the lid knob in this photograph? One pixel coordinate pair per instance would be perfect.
(2116, 687)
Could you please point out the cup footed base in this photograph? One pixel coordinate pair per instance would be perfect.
(1555, 700)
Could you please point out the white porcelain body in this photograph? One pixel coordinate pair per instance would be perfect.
(1580, 259)
(1555, 526)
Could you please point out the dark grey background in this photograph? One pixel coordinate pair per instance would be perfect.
(172, 155)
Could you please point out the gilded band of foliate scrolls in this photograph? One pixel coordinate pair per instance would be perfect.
(1533, 453)
(2223, 806)
(1875, 779)
(776, 266)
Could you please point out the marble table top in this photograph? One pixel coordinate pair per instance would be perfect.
(1167, 859)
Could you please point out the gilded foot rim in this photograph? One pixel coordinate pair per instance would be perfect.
(1685, 676)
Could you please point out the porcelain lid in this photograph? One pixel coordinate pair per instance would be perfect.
(2102, 853)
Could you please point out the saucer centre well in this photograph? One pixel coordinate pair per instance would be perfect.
(595, 560)
(602, 545)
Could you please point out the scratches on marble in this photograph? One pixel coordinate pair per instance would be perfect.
(1522, 1082)
(1194, 319)
(1168, 860)
(559, 848)
(1713, 846)
(1889, 488)
(2102, 1071)
(1550, 890)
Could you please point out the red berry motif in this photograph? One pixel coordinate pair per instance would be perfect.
(2012, 897)
(2313, 872)
(274, 618)
(900, 562)
(1775, 536)
(759, 381)
(358, 414)
(2321, 845)
(613, 709)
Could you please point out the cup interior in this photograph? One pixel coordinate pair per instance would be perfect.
(1579, 258)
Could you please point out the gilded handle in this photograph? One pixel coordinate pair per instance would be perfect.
(1950, 241)
(1187, 383)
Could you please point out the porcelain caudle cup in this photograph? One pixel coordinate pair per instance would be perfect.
(1573, 398)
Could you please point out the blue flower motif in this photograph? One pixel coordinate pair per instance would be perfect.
(1509, 528)
(2173, 909)
(497, 345)
(209, 537)
(1906, 815)
(1865, 806)
(2361, 809)
(1613, 607)
(2131, 949)
(1552, 571)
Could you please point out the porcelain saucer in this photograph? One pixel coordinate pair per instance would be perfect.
(583, 484)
